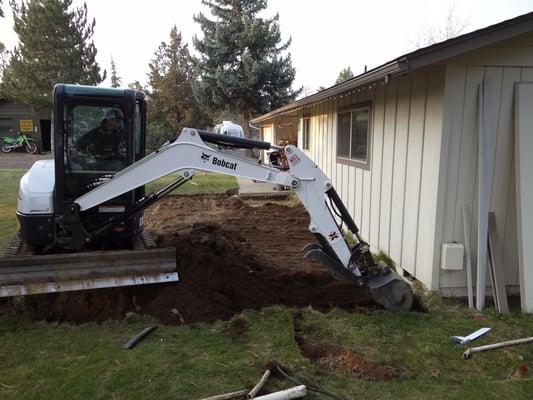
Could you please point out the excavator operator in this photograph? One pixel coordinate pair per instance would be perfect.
(107, 141)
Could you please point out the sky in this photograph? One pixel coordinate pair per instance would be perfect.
(327, 35)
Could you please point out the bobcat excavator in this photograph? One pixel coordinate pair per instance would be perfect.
(92, 196)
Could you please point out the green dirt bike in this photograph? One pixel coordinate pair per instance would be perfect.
(11, 143)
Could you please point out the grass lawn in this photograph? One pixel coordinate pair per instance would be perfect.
(200, 184)
(8, 203)
(49, 361)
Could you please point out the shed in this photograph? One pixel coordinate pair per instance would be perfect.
(400, 143)
(17, 118)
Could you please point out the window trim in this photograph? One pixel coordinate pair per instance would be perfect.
(352, 161)
(307, 146)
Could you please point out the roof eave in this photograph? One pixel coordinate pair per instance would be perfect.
(417, 59)
(389, 69)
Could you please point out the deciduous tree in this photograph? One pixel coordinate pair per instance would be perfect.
(452, 25)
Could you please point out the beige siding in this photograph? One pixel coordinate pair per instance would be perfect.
(524, 193)
(503, 64)
(461, 133)
(391, 200)
(268, 136)
(268, 133)
(423, 159)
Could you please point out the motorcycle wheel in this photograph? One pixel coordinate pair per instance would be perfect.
(31, 148)
(6, 148)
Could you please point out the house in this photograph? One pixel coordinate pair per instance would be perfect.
(17, 118)
(400, 143)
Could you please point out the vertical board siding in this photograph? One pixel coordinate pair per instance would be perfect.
(376, 163)
(413, 172)
(386, 199)
(425, 269)
(461, 185)
(389, 134)
(423, 162)
(399, 169)
(454, 97)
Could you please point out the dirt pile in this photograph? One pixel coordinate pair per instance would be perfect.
(232, 256)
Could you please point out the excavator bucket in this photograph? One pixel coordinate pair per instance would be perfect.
(34, 274)
(387, 287)
(391, 291)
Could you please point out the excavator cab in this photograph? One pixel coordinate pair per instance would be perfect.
(98, 132)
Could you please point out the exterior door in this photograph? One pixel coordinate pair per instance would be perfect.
(6, 127)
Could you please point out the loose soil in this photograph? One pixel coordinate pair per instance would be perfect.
(346, 361)
(232, 255)
(339, 359)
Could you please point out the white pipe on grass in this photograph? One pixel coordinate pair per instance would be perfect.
(259, 385)
(292, 393)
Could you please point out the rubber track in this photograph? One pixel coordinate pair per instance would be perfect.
(17, 248)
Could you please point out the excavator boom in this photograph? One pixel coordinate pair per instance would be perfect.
(196, 151)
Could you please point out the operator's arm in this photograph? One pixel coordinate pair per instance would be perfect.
(86, 140)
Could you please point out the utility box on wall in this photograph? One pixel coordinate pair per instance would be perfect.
(452, 256)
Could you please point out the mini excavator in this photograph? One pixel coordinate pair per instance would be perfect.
(92, 195)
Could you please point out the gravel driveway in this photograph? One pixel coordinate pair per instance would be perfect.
(21, 160)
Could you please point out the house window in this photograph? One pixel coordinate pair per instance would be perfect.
(353, 130)
(305, 133)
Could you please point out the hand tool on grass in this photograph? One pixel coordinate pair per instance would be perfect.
(468, 353)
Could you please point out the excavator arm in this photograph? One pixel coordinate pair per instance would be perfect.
(199, 151)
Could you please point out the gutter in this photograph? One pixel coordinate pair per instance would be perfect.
(384, 71)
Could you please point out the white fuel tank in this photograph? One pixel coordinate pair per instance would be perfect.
(229, 128)
(36, 190)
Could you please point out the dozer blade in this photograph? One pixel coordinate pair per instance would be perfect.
(90, 270)
(391, 291)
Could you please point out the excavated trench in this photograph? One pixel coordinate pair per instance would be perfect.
(232, 255)
(336, 358)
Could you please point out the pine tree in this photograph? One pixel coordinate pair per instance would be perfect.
(344, 75)
(3, 58)
(137, 86)
(2, 46)
(55, 46)
(116, 80)
(172, 104)
(242, 65)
